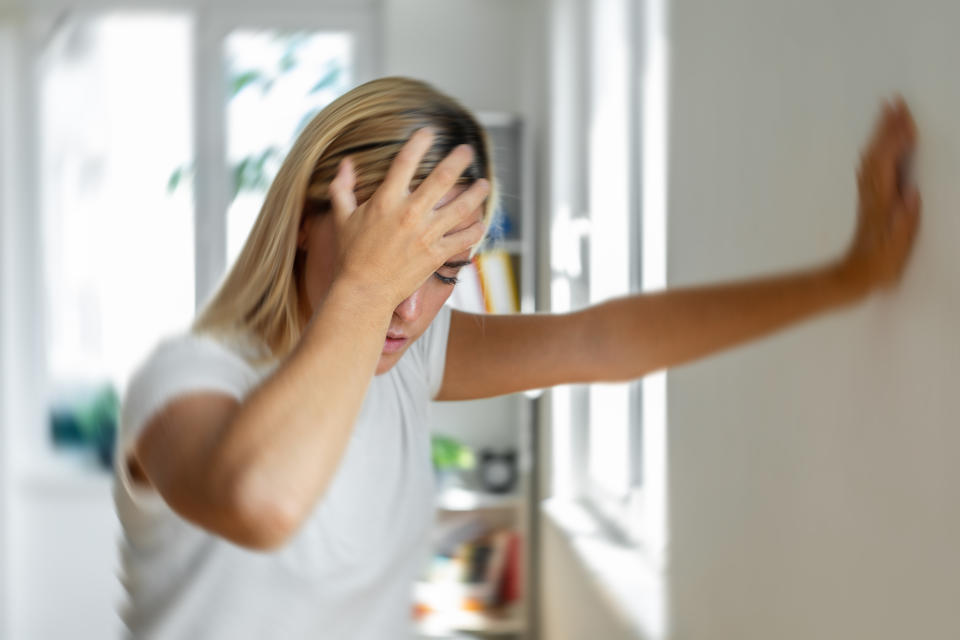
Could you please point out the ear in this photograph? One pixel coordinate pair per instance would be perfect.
(303, 234)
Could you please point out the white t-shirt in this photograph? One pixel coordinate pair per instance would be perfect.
(347, 574)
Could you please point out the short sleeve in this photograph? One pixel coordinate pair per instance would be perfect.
(432, 349)
(178, 365)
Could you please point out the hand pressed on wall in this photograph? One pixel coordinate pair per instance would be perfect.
(888, 213)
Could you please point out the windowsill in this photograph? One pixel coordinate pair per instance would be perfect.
(626, 577)
(66, 472)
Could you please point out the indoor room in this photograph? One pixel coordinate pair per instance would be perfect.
(457, 319)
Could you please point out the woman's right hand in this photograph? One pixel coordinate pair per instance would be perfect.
(392, 242)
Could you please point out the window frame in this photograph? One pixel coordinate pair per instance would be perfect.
(212, 26)
(636, 516)
(26, 26)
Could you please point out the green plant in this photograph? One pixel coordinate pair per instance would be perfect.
(252, 172)
(448, 454)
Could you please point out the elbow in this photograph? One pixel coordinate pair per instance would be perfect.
(263, 519)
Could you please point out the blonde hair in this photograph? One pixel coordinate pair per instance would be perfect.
(259, 296)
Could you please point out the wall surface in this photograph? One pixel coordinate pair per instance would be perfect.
(815, 490)
(472, 49)
(574, 606)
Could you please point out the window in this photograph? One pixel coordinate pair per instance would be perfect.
(152, 168)
(118, 248)
(608, 133)
(276, 82)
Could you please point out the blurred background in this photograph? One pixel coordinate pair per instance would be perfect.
(802, 487)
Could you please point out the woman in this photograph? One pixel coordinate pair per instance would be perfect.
(274, 471)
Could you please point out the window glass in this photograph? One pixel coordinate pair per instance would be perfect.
(276, 82)
(119, 260)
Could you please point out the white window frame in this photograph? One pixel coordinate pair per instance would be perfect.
(636, 516)
(213, 25)
(26, 25)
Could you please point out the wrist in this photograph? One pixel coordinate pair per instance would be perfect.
(850, 279)
(361, 297)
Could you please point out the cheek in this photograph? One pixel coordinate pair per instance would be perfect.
(436, 295)
(433, 295)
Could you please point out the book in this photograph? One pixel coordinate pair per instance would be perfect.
(510, 587)
(498, 282)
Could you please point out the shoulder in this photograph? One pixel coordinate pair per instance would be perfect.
(183, 363)
(194, 356)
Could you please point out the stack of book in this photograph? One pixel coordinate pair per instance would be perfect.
(479, 575)
(487, 285)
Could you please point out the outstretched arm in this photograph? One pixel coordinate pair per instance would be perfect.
(626, 338)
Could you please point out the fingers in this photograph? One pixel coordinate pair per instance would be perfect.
(461, 210)
(458, 241)
(443, 177)
(404, 166)
(883, 168)
(342, 197)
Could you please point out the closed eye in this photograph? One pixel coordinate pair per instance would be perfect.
(454, 266)
(445, 279)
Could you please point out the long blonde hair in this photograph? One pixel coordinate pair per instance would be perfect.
(259, 296)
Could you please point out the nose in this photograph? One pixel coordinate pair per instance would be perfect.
(409, 309)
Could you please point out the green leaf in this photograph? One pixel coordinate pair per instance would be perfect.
(239, 177)
(241, 81)
(288, 60)
(327, 81)
(178, 175)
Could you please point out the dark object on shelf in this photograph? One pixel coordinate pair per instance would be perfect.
(87, 418)
(498, 470)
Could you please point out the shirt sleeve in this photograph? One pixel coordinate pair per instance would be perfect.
(432, 350)
(178, 365)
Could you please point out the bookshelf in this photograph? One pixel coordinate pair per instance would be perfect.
(500, 424)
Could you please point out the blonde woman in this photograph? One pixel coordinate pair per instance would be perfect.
(273, 463)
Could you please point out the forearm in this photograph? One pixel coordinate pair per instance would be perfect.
(639, 334)
(284, 444)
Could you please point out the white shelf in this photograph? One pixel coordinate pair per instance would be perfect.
(511, 246)
(491, 119)
(457, 499)
(443, 624)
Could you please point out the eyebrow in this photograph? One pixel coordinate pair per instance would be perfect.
(456, 264)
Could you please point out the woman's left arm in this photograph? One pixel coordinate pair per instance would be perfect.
(625, 338)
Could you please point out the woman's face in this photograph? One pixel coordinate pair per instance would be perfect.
(412, 316)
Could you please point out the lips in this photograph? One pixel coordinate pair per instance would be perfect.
(394, 342)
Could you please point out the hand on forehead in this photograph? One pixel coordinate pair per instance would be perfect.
(449, 197)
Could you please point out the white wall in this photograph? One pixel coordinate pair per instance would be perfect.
(472, 49)
(815, 490)
(574, 607)
(6, 275)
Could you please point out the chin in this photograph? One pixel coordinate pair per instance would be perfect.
(387, 362)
